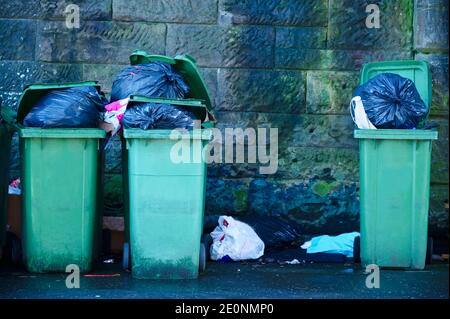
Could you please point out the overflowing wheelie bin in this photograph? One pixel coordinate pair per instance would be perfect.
(165, 197)
(61, 182)
(395, 180)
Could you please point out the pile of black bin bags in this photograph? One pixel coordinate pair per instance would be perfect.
(83, 106)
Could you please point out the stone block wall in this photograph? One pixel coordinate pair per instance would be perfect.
(290, 64)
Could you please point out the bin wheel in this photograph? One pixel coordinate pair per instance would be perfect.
(202, 260)
(126, 256)
(429, 255)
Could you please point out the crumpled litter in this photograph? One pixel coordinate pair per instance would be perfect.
(114, 114)
(341, 244)
(236, 239)
(293, 262)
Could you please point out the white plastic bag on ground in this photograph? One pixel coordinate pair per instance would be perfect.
(236, 239)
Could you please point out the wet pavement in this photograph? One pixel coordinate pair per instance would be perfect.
(236, 280)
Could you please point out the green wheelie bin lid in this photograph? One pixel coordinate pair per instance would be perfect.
(419, 73)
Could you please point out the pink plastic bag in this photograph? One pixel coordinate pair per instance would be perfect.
(114, 114)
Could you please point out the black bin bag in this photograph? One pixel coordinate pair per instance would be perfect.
(148, 116)
(392, 102)
(75, 107)
(156, 79)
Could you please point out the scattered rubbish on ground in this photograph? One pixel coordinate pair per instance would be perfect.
(293, 262)
(108, 261)
(287, 255)
(73, 107)
(341, 244)
(157, 116)
(235, 239)
(156, 79)
(391, 102)
(14, 187)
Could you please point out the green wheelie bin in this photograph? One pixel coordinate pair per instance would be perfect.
(165, 198)
(395, 181)
(61, 170)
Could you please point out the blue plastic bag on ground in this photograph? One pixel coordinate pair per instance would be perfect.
(74, 107)
(148, 116)
(392, 102)
(154, 79)
(341, 244)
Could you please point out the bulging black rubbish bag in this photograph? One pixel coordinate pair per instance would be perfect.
(276, 233)
(148, 116)
(154, 79)
(392, 102)
(75, 107)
